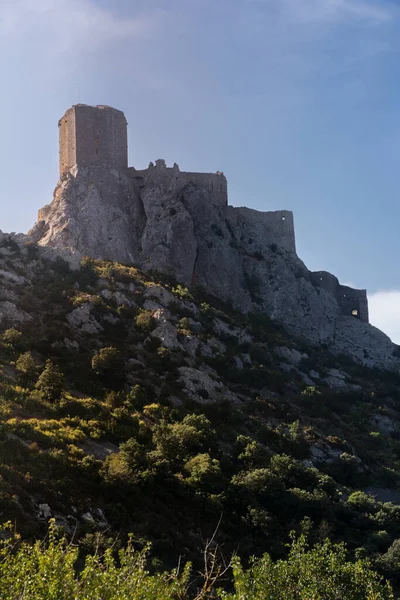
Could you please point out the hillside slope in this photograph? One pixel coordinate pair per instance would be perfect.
(129, 404)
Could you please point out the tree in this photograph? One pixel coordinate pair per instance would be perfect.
(362, 502)
(12, 338)
(137, 397)
(50, 382)
(390, 561)
(26, 367)
(204, 472)
(107, 364)
(177, 442)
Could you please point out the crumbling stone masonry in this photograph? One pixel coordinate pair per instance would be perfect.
(93, 136)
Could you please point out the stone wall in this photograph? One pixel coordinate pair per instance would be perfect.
(93, 136)
(215, 183)
(265, 228)
(67, 140)
(353, 303)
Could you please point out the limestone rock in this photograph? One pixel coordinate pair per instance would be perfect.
(44, 511)
(179, 224)
(335, 379)
(159, 294)
(81, 319)
(190, 344)
(292, 356)
(238, 334)
(10, 313)
(95, 212)
(13, 277)
(168, 336)
(365, 343)
(201, 387)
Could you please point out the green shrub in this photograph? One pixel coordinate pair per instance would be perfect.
(319, 573)
(137, 397)
(177, 442)
(203, 472)
(107, 362)
(12, 338)
(145, 321)
(182, 292)
(47, 572)
(362, 502)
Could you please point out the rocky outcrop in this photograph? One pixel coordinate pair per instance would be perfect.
(94, 212)
(152, 220)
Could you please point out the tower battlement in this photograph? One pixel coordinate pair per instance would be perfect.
(93, 136)
(98, 136)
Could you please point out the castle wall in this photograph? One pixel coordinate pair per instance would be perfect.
(215, 183)
(274, 227)
(67, 140)
(93, 135)
(353, 303)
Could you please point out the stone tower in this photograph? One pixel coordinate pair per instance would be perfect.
(93, 136)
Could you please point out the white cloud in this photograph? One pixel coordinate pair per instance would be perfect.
(68, 25)
(384, 312)
(330, 10)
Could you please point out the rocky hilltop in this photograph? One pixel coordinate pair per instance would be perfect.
(237, 254)
(180, 224)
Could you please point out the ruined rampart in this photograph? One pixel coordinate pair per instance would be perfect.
(272, 228)
(353, 302)
(214, 183)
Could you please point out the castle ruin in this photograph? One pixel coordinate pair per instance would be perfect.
(95, 136)
(98, 136)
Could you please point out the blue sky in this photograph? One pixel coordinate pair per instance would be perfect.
(297, 101)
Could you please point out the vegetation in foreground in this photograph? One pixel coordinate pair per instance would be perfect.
(47, 571)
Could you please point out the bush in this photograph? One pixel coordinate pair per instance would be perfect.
(182, 292)
(107, 363)
(145, 321)
(12, 338)
(390, 561)
(204, 472)
(362, 502)
(137, 397)
(322, 572)
(177, 442)
(47, 572)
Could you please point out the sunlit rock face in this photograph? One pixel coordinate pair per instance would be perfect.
(179, 223)
(162, 220)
